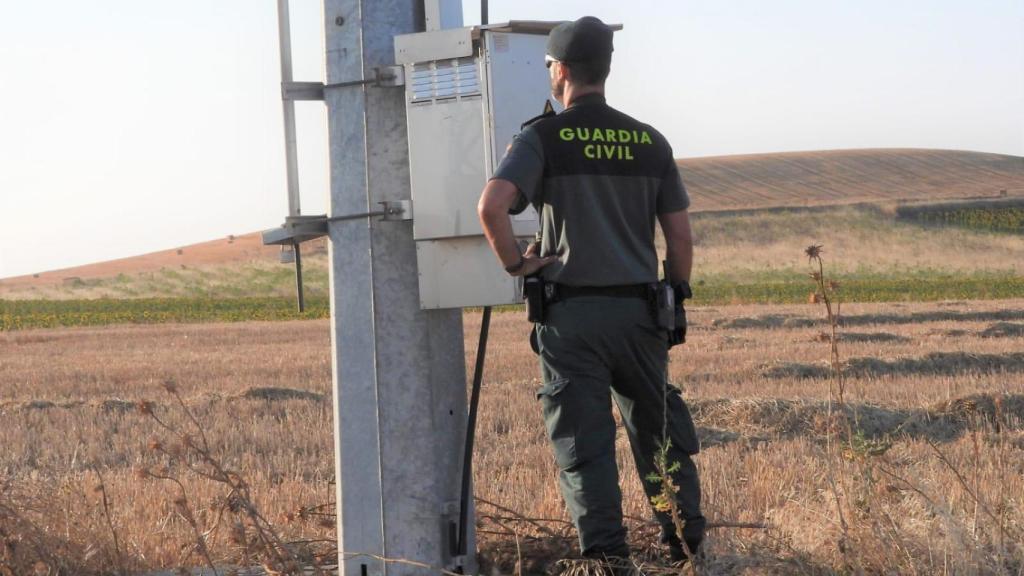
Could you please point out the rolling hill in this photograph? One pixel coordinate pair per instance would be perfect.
(716, 184)
(796, 179)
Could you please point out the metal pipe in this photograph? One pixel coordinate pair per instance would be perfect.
(484, 19)
(291, 156)
(290, 142)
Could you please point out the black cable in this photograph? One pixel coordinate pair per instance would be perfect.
(474, 401)
(467, 455)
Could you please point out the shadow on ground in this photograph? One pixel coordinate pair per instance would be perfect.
(933, 364)
(793, 321)
(724, 420)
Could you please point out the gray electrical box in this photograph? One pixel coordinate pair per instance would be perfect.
(467, 91)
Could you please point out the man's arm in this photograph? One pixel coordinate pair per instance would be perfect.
(679, 244)
(498, 197)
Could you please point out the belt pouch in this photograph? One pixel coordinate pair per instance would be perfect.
(533, 295)
(664, 306)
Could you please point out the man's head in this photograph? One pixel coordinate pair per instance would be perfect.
(579, 53)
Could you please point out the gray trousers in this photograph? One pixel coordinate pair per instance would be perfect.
(593, 350)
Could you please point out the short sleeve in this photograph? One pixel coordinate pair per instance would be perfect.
(672, 196)
(523, 165)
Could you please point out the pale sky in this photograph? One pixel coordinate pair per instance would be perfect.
(130, 126)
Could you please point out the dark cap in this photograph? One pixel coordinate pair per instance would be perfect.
(585, 40)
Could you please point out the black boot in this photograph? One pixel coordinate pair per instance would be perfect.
(614, 562)
(678, 554)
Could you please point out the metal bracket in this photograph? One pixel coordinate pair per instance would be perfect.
(390, 76)
(302, 91)
(450, 520)
(394, 211)
(298, 229)
(383, 76)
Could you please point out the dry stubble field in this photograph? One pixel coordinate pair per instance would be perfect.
(933, 485)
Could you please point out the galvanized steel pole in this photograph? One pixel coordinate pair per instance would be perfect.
(290, 147)
(284, 35)
(399, 372)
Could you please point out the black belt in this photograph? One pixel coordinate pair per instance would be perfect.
(556, 292)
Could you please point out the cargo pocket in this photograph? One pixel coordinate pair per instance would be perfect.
(559, 422)
(684, 433)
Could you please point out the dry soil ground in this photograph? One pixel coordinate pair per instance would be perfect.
(932, 485)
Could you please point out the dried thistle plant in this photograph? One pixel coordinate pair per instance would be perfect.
(827, 293)
(255, 537)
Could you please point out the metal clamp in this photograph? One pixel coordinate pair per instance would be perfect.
(383, 76)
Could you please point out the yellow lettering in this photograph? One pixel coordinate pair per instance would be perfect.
(583, 133)
(645, 138)
(629, 152)
(624, 136)
(609, 135)
(566, 134)
(597, 136)
(609, 151)
(588, 151)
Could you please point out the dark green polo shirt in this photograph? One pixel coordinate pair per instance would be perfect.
(598, 178)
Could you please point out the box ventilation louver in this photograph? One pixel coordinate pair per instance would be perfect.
(445, 80)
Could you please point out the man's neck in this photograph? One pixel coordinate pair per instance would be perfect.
(573, 92)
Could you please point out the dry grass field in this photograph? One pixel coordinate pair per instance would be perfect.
(932, 485)
(119, 445)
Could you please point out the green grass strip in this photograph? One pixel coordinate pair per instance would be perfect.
(865, 290)
(24, 314)
(21, 314)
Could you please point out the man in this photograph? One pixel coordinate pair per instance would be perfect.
(599, 179)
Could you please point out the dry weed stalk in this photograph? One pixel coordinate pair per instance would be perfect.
(256, 538)
(665, 500)
(864, 523)
(27, 547)
(101, 489)
(827, 293)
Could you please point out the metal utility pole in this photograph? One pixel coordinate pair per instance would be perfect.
(399, 372)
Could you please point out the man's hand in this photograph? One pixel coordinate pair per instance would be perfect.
(532, 262)
(682, 292)
(678, 335)
(497, 199)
